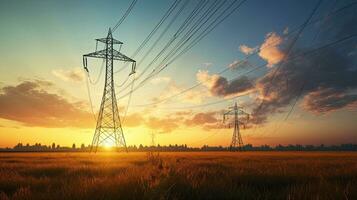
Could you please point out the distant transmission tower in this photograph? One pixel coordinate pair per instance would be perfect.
(153, 136)
(237, 111)
(108, 131)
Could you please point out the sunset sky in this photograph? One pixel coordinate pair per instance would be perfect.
(43, 93)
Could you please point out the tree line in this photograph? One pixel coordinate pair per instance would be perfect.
(38, 147)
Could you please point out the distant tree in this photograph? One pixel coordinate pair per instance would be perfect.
(58, 146)
(73, 146)
(82, 146)
(53, 145)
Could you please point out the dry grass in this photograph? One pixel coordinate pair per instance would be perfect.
(214, 175)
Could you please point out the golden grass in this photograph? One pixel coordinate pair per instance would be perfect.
(189, 175)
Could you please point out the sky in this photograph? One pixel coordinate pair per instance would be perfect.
(298, 84)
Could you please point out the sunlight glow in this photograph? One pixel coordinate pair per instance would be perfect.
(108, 145)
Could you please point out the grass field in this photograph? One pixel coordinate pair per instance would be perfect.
(206, 175)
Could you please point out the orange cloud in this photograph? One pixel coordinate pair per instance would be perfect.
(31, 104)
(201, 119)
(270, 51)
(133, 120)
(163, 124)
(326, 100)
(220, 86)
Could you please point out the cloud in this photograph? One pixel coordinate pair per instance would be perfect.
(202, 119)
(31, 103)
(133, 120)
(220, 86)
(326, 82)
(166, 125)
(327, 99)
(205, 120)
(270, 51)
(247, 50)
(73, 75)
(183, 113)
(206, 79)
(239, 64)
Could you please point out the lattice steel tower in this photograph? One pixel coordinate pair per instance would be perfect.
(108, 130)
(235, 110)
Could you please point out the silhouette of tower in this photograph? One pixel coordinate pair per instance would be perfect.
(153, 137)
(237, 111)
(108, 129)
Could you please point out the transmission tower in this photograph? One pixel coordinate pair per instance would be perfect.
(153, 137)
(108, 129)
(237, 111)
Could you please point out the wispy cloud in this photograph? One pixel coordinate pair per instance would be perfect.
(161, 79)
(167, 124)
(247, 50)
(74, 75)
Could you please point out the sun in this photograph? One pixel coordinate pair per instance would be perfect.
(109, 145)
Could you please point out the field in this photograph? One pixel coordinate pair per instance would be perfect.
(190, 175)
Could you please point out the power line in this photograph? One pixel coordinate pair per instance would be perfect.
(199, 24)
(99, 75)
(153, 31)
(187, 37)
(151, 75)
(288, 52)
(121, 20)
(178, 32)
(208, 30)
(332, 44)
(263, 65)
(203, 34)
(163, 19)
(185, 23)
(226, 69)
(213, 5)
(300, 91)
(155, 43)
(157, 26)
(89, 96)
(304, 83)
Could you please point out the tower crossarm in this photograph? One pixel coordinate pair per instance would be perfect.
(119, 56)
(116, 55)
(107, 40)
(229, 112)
(242, 112)
(233, 107)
